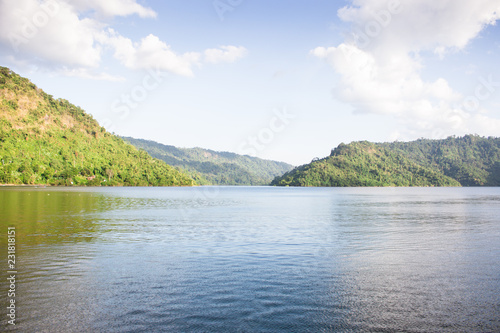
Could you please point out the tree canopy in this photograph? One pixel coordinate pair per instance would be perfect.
(470, 160)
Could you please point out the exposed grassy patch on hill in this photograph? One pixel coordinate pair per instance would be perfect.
(51, 141)
(213, 167)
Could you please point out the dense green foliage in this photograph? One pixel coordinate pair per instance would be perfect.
(472, 160)
(364, 164)
(51, 141)
(217, 168)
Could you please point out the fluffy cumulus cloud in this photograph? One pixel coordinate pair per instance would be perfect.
(151, 52)
(71, 36)
(415, 25)
(379, 62)
(51, 31)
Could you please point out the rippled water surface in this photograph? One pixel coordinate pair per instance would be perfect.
(254, 259)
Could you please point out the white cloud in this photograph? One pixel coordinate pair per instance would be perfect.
(111, 8)
(71, 36)
(151, 52)
(415, 25)
(53, 32)
(379, 62)
(389, 87)
(227, 53)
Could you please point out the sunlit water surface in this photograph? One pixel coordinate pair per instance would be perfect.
(254, 259)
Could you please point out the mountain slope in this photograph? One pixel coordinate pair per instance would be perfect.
(51, 141)
(212, 167)
(471, 159)
(364, 164)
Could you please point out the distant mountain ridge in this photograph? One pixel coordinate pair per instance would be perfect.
(213, 167)
(464, 161)
(50, 141)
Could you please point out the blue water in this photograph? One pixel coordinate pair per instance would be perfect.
(255, 259)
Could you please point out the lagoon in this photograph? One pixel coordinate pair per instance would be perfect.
(253, 259)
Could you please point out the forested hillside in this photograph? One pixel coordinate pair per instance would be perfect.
(213, 167)
(472, 160)
(364, 164)
(51, 141)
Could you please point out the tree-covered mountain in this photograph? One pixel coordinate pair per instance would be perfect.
(472, 160)
(364, 164)
(456, 161)
(213, 167)
(51, 141)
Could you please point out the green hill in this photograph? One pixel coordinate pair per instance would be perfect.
(472, 160)
(364, 164)
(51, 141)
(213, 167)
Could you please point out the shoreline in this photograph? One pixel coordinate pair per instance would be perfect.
(69, 186)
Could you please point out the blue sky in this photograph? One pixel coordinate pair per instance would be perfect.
(283, 80)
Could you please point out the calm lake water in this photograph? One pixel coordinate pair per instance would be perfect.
(253, 259)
